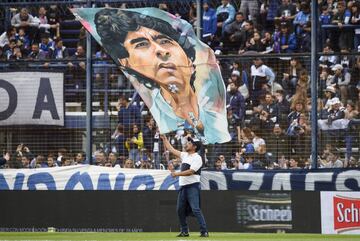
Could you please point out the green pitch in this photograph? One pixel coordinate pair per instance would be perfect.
(171, 236)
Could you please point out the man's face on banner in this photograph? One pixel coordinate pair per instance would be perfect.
(158, 57)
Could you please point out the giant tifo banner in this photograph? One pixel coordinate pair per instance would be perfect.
(175, 74)
(340, 212)
(86, 177)
(31, 98)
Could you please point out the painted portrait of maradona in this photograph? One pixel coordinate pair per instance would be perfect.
(173, 71)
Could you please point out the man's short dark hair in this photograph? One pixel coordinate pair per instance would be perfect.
(113, 25)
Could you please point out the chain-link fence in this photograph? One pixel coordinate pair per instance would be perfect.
(273, 132)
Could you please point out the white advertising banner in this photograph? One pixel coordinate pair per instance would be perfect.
(31, 98)
(340, 212)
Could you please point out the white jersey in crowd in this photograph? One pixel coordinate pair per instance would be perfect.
(190, 161)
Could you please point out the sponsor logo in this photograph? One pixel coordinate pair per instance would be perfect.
(346, 213)
(264, 211)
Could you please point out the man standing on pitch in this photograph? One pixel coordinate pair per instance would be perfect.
(189, 180)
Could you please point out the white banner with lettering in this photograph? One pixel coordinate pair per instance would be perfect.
(87, 177)
(31, 98)
(340, 212)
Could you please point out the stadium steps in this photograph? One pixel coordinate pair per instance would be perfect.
(69, 32)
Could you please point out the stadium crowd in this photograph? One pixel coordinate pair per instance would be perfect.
(268, 100)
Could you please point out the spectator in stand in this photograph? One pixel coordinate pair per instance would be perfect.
(59, 51)
(302, 87)
(240, 39)
(22, 150)
(233, 30)
(324, 78)
(330, 93)
(248, 160)
(223, 162)
(135, 143)
(120, 139)
(217, 165)
(335, 112)
(50, 162)
(232, 145)
(23, 41)
(209, 23)
(113, 159)
(61, 153)
(79, 54)
(149, 131)
(23, 19)
(35, 53)
(342, 38)
(80, 158)
(241, 80)
(236, 103)
(246, 141)
(286, 12)
(127, 113)
(328, 61)
(261, 75)
(270, 107)
(9, 49)
(291, 77)
(39, 162)
(346, 60)
(250, 8)
(44, 24)
(331, 5)
(46, 45)
(293, 164)
(277, 142)
(282, 106)
(285, 41)
(268, 11)
(332, 161)
(26, 21)
(325, 19)
(129, 163)
(259, 144)
(25, 161)
(225, 15)
(298, 108)
(7, 36)
(255, 44)
(67, 161)
(268, 42)
(265, 115)
(53, 17)
(14, 53)
(302, 18)
(78, 67)
(355, 19)
(236, 162)
(341, 80)
(100, 158)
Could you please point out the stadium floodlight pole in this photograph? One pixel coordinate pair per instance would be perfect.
(198, 18)
(89, 127)
(314, 77)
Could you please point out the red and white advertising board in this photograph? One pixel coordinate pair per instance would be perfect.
(340, 212)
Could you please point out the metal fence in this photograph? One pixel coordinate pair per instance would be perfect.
(283, 143)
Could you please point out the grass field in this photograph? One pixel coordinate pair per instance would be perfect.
(171, 236)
